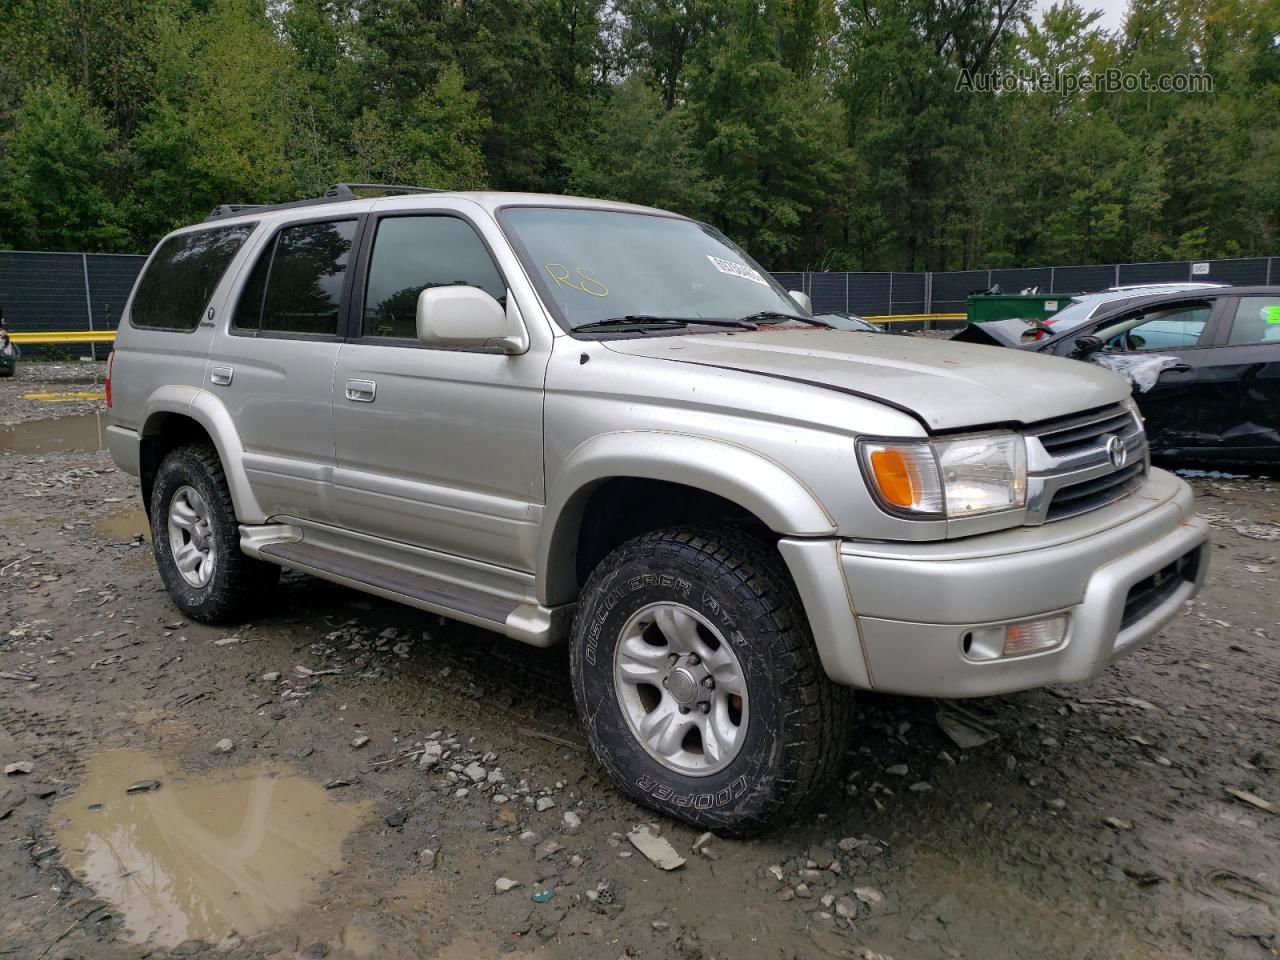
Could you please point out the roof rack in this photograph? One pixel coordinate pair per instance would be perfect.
(336, 193)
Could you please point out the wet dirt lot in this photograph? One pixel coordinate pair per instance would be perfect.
(288, 799)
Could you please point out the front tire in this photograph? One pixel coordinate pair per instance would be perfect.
(699, 684)
(196, 539)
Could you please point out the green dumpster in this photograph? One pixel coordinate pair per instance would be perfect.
(1014, 306)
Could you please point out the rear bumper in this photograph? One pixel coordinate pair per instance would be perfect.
(125, 447)
(912, 604)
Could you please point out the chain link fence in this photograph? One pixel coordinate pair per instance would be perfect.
(50, 292)
(885, 294)
(54, 292)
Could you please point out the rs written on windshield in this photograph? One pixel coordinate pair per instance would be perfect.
(595, 265)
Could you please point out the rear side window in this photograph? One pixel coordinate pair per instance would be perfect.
(411, 254)
(1257, 320)
(173, 293)
(296, 285)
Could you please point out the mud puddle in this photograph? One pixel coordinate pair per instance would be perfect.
(125, 526)
(204, 855)
(84, 432)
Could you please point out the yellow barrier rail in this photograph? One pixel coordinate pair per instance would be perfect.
(65, 336)
(920, 318)
(109, 336)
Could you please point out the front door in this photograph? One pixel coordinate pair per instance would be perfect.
(1171, 402)
(1240, 406)
(435, 448)
(273, 367)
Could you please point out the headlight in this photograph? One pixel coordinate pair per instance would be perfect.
(949, 478)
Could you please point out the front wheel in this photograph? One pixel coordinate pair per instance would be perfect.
(698, 682)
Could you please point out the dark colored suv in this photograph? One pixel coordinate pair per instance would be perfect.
(1216, 394)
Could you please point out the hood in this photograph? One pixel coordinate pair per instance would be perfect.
(945, 385)
(1002, 333)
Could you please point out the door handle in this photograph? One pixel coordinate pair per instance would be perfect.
(221, 376)
(361, 391)
(1178, 368)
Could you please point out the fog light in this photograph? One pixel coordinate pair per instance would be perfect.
(1015, 639)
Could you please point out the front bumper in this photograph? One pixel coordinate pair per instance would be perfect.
(912, 604)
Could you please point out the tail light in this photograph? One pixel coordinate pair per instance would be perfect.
(111, 359)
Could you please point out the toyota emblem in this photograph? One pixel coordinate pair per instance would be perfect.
(1117, 452)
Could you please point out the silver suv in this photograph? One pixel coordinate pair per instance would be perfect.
(567, 420)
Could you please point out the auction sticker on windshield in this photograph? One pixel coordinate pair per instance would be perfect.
(737, 270)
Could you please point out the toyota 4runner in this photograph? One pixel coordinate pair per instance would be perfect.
(567, 420)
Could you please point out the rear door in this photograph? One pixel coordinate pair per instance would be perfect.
(1240, 377)
(272, 367)
(167, 327)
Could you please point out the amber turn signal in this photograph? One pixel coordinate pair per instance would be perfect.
(893, 477)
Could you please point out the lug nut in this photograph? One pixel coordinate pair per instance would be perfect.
(705, 706)
(666, 681)
(694, 660)
(683, 708)
(673, 657)
(709, 682)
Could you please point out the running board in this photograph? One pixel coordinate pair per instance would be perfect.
(527, 622)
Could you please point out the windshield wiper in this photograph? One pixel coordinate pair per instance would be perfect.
(632, 320)
(642, 320)
(777, 315)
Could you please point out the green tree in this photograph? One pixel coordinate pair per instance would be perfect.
(221, 128)
(771, 140)
(917, 135)
(633, 149)
(433, 140)
(56, 161)
(660, 37)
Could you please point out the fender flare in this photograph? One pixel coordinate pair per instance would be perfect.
(207, 410)
(761, 486)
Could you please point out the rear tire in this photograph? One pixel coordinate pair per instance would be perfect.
(779, 729)
(196, 538)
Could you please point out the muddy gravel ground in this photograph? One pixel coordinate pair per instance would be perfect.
(350, 778)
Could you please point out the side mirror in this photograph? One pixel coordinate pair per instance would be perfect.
(802, 300)
(467, 318)
(1087, 345)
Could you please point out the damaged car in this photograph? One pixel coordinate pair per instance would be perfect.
(1204, 363)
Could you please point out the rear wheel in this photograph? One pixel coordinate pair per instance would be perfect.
(699, 684)
(197, 540)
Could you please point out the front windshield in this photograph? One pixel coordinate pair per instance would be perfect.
(600, 265)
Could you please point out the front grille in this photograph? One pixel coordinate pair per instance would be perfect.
(1077, 498)
(1069, 468)
(1074, 437)
(1149, 592)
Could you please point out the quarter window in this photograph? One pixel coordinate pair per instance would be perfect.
(411, 254)
(248, 313)
(296, 285)
(181, 277)
(1257, 320)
